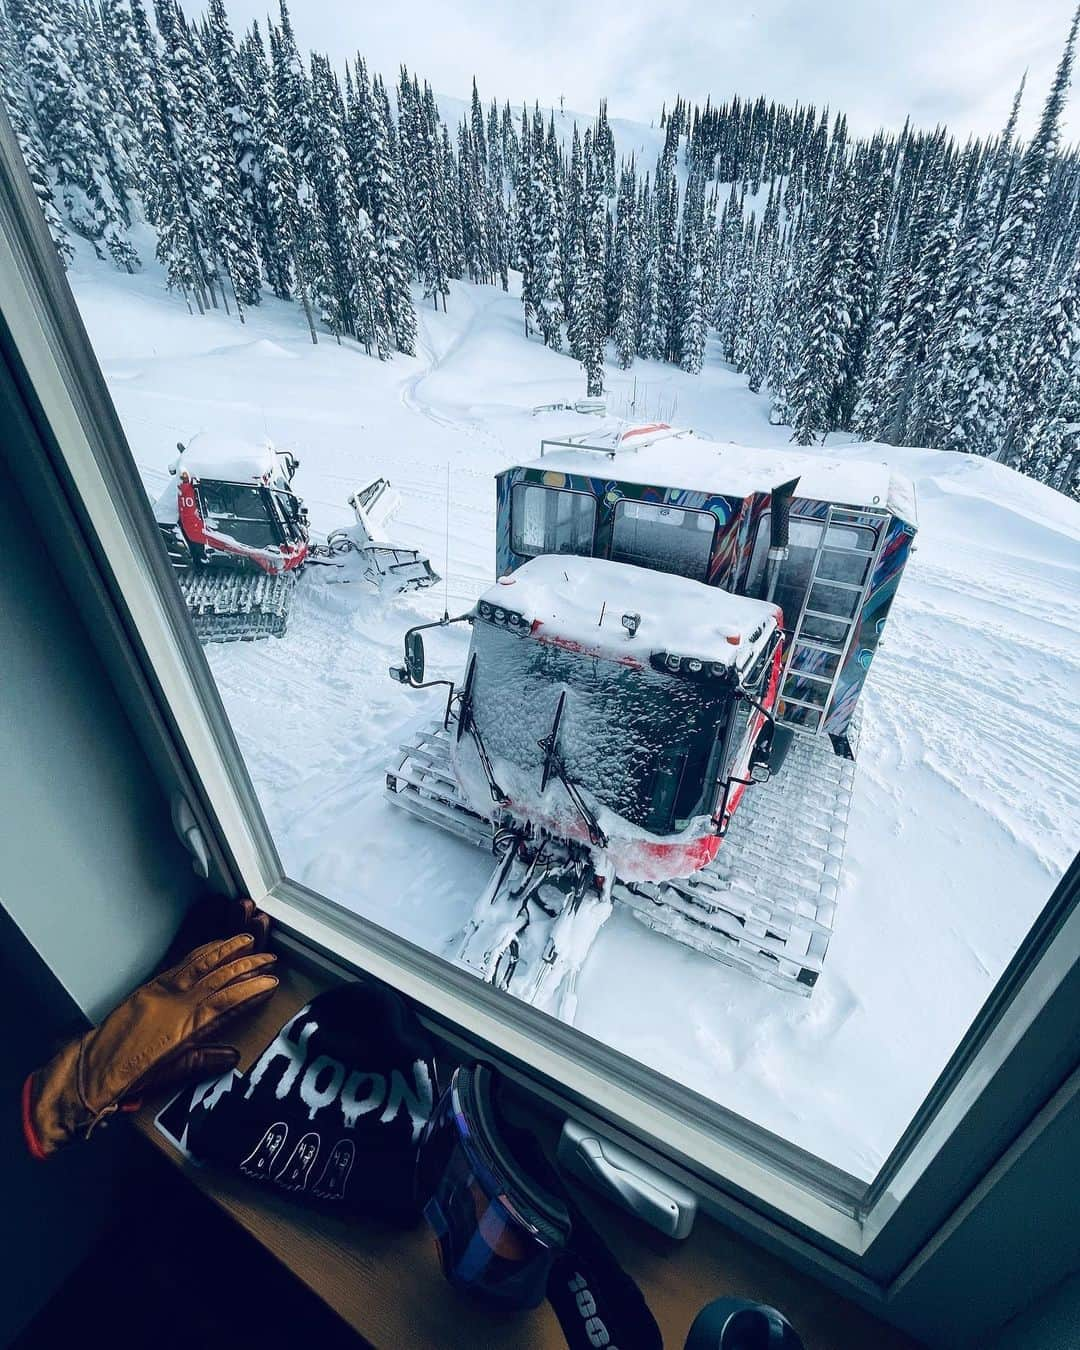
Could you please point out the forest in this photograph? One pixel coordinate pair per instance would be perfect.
(903, 287)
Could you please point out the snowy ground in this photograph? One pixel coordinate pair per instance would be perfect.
(967, 800)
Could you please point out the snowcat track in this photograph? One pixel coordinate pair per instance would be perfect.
(767, 902)
(237, 606)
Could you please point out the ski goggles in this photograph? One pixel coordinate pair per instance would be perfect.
(498, 1229)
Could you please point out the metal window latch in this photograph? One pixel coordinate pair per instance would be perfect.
(644, 1190)
(187, 828)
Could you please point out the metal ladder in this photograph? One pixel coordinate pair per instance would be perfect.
(815, 657)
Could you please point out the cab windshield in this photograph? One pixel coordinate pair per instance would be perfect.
(241, 512)
(644, 744)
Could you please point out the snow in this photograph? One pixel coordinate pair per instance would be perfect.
(582, 600)
(232, 459)
(684, 460)
(967, 796)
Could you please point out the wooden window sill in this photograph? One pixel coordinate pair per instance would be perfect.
(386, 1283)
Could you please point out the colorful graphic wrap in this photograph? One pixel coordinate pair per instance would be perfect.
(731, 558)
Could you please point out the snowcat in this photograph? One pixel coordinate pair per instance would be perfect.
(653, 658)
(238, 537)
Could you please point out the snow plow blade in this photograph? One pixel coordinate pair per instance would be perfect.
(382, 563)
(237, 606)
(765, 906)
(397, 569)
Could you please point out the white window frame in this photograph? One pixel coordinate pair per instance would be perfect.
(869, 1237)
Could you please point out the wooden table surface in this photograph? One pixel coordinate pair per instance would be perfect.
(387, 1284)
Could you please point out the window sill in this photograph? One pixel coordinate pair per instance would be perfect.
(386, 1284)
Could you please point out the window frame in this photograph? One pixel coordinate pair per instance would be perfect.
(568, 492)
(666, 506)
(1013, 1064)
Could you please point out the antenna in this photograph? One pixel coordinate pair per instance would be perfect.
(446, 554)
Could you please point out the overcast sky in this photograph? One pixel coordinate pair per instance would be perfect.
(952, 60)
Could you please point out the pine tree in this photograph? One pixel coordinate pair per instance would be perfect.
(988, 385)
(814, 390)
(380, 195)
(627, 268)
(54, 57)
(28, 136)
(589, 337)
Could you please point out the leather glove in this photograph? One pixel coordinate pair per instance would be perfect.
(212, 917)
(159, 1035)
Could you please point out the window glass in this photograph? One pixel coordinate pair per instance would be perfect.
(667, 538)
(844, 559)
(242, 513)
(549, 520)
(275, 249)
(616, 729)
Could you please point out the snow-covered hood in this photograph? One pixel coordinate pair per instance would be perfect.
(581, 601)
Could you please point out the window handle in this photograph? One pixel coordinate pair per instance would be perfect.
(644, 1190)
(187, 828)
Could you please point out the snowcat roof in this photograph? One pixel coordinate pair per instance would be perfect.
(567, 594)
(230, 459)
(661, 456)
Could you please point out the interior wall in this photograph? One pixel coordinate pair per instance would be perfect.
(92, 873)
(92, 886)
(1051, 1323)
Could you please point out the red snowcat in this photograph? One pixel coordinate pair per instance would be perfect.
(238, 536)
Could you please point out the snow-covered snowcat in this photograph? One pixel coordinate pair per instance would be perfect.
(652, 657)
(238, 536)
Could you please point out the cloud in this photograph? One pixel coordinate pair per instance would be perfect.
(957, 61)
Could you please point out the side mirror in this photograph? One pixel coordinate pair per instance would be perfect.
(400, 674)
(761, 754)
(414, 657)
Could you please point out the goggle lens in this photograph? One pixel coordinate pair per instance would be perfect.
(483, 1246)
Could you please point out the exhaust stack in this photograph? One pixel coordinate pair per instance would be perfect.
(778, 533)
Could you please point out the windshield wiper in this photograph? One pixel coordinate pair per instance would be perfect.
(554, 767)
(466, 722)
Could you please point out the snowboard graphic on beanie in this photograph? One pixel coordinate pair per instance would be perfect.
(332, 1109)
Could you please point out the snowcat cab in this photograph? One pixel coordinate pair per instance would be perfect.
(233, 506)
(651, 655)
(616, 709)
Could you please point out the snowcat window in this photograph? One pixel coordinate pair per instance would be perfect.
(625, 730)
(551, 520)
(663, 538)
(239, 511)
(287, 505)
(850, 568)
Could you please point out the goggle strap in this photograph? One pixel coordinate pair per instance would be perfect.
(593, 1297)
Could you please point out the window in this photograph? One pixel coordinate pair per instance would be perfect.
(817, 1115)
(242, 513)
(616, 731)
(550, 520)
(804, 537)
(667, 538)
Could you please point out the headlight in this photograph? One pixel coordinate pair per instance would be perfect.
(672, 663)
(485, 610)
(693, 665)
(500, 615)
(717, 668)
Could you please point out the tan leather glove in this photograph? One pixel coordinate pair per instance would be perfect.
(157, 1036)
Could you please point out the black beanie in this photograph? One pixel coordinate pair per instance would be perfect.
(332, 1109)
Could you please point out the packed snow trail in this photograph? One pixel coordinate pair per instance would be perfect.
(967, 794)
